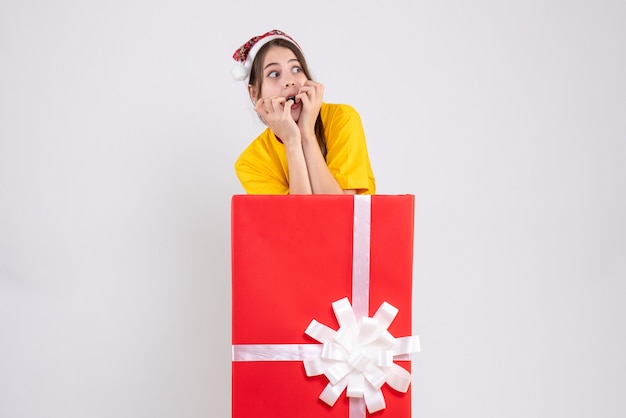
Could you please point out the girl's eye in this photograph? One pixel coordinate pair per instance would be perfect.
(296, 70)
(272, 74)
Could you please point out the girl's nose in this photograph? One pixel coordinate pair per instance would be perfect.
(290, 83)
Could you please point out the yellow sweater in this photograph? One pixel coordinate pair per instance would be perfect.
(262, 166)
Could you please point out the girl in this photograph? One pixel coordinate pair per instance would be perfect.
(309, 147)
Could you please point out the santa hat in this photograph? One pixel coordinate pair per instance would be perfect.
(244, 55)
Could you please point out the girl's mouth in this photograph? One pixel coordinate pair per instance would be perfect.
(292, 98)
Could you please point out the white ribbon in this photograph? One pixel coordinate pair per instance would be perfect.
(361, 254)
(359, 356)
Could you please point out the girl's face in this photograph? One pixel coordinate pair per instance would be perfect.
(282, 76)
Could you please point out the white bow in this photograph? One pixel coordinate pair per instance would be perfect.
(360, 355)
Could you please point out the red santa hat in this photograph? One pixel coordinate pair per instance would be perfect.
(244, 55)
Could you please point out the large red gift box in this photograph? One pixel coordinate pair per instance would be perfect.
(292, 257)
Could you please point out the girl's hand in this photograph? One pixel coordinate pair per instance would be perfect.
(310, 95)
(276, 113)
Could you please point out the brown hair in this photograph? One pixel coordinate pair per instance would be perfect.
(256, 81)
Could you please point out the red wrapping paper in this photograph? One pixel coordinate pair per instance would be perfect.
(291, 258)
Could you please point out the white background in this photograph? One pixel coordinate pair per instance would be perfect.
(119, 127)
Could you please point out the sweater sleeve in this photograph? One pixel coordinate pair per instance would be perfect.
(260, 170)
(347, 156)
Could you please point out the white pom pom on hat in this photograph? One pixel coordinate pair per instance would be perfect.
(239, 72)
(244, 55)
